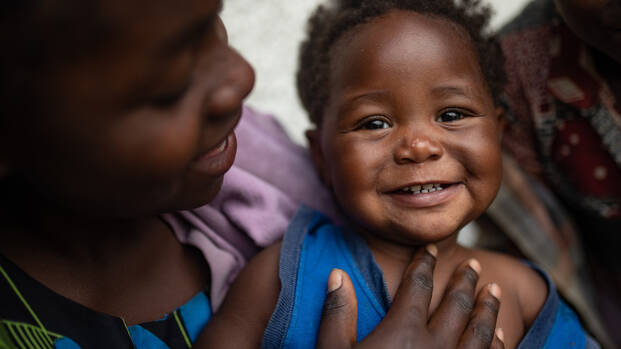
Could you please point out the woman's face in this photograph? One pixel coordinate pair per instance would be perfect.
(596, 22)
(142, 120)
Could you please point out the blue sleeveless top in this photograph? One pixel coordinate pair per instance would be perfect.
(313, 246)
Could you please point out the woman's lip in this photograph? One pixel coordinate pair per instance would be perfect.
(218, 160)
(424, 200)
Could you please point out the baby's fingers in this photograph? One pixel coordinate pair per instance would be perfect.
(480, 331)
(340, 311)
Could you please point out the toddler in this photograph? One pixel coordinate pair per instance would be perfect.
(403, 94)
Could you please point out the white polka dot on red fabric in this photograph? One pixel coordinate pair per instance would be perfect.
(600, 173)
(565, 150)
(574, 139)
(560, 124)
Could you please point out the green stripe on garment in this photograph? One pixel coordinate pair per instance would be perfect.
(31, 338)
(19, 295)
(41, 339)
(16, 339)
(131, 340)
(182, 329)
(23, 335)
(5, 338)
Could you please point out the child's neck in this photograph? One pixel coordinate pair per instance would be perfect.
(393, 258)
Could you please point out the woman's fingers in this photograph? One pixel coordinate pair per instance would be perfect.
(498, 342)
(458, 321)
(481, 328)
(412, 299)
(453, 313)
(340, 311)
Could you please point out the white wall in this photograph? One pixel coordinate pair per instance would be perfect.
(268, 32)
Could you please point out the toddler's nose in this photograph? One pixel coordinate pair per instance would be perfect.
(418, 149)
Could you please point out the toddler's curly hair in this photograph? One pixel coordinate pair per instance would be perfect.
(331, 21)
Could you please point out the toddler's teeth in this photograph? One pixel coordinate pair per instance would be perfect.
(427, 186)
(416, 188)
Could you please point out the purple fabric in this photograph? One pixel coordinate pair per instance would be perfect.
(271, 177)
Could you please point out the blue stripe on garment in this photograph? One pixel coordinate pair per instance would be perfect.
(195, 314)
(144, 339)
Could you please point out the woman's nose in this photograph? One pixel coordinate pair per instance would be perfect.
(236, 86)
(418, 149)
(234, 79)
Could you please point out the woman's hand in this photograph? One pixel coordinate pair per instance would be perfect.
(456, 323)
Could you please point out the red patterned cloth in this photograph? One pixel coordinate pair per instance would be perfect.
(560, 204)
(564, 122)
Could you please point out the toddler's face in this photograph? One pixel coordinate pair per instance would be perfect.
(410, 140)
(596, 22)
(143, 121)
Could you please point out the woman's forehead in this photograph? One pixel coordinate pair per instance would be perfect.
(114, 17)
(76, 29)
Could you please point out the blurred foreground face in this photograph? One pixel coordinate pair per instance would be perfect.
(597, 22)
(138, 118)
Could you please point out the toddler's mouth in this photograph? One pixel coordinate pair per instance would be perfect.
(422, 188)
(425, 195)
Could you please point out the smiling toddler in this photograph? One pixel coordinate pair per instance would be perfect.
(403, 96)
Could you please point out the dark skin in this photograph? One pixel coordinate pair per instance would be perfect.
(133, 125)
(390, 125)
(102, 180)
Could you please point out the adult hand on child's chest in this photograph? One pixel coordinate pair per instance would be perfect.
(408, 324)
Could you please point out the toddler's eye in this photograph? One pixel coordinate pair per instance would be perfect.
(450, 116)
(375, 125)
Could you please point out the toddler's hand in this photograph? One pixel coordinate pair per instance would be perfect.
(457, 323)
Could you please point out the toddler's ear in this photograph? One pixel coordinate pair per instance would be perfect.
(314, 144)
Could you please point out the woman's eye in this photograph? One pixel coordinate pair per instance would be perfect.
(450, 116)
(169, 99)
(375, 125)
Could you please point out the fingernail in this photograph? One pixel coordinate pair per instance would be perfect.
(335, 280)
(500, 334)
(495, 290)
(475, 265)
(432, 249)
